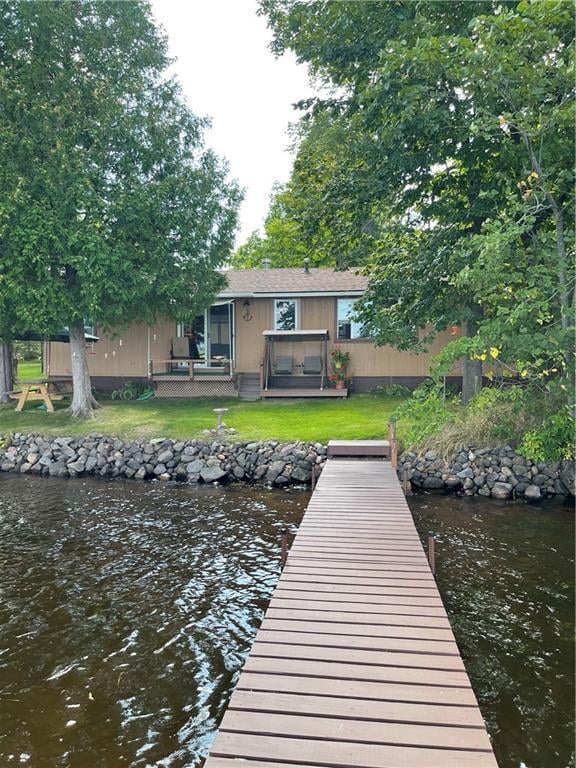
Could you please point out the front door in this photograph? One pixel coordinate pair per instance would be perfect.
(210, 334)
(219, 336)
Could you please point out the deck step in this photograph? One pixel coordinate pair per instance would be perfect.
(359, 448)
(249, 386)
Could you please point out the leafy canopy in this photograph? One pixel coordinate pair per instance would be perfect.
(453, 183)
(111, 207)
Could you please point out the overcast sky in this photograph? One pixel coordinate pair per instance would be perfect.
(228, 73)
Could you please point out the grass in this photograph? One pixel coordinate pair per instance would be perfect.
(358, 417)
(29, 370)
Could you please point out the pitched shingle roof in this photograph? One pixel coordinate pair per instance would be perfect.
(292, 281)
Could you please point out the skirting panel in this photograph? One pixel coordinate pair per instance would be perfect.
(196, 388)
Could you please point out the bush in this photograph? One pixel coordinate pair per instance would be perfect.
(391, 390)
(131, 390)
(28, 350)
(536, 422)
(554, 441)
(425, 413)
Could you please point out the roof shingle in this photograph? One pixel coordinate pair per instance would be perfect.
(252, 282)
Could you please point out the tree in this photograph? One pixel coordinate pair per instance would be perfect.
(442, 105)
(112, 210)
(282, 244)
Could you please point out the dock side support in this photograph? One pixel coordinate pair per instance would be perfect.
(431, 553)
(283, 547)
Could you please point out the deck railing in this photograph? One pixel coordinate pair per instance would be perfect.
(196, 367)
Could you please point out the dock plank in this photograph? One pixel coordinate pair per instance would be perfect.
(355, 664)
(321, 752)
(358, 709)
(311, 726)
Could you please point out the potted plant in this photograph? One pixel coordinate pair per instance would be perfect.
(340, 360)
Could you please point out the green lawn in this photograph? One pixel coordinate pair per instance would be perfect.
(358, 417)
(29, 370)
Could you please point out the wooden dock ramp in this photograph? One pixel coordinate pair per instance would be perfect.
(355, 664)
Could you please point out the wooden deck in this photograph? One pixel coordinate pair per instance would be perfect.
(355, 664)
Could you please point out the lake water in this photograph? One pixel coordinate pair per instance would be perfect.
(126, 610)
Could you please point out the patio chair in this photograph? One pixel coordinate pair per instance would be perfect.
(312, 366)
(283, 366)
(180, 348)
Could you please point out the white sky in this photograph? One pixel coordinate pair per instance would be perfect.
(228, 73)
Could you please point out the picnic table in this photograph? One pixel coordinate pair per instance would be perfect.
(34, 390)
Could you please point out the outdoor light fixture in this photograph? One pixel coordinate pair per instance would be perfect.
(246, 314)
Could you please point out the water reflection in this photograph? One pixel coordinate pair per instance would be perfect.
(506, 573)
(125, 612)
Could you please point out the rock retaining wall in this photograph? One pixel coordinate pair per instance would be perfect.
(191, 461)
(497, 472)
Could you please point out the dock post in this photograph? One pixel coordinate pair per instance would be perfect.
(406, 487)
(431, 553)
(393, 443)
(313, 477)
(283, 547)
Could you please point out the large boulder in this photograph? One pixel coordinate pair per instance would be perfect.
(212, 473)
(501, 490)
(433, 483)
(567, 475)
(533, 493)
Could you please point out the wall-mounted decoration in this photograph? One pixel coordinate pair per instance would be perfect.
(246, 314)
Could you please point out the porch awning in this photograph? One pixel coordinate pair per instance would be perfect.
(315, 335)
(62, 336)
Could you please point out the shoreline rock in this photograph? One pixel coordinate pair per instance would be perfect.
(499, 473)
(201, 460)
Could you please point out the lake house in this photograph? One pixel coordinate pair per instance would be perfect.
(270, 333)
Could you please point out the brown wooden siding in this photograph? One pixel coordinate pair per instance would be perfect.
(125, 354)
(319, 313)
(249, 339)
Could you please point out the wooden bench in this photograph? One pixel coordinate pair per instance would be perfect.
(34, 390)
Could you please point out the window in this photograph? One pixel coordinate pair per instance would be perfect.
(348, 328)
(285, 315)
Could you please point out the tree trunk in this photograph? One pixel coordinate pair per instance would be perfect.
(6, 370)
(471, 379)
(471, 369)
(83, 403)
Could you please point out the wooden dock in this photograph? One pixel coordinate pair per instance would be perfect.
(355, 664)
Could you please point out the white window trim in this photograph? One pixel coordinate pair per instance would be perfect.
(296, 313)
(353, 299)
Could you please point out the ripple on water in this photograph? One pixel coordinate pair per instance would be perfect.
(126, 611)
(506, 573)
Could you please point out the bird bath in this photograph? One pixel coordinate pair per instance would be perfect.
(219, 414)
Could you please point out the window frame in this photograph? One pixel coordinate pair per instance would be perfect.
(353, 300)
(296, 303)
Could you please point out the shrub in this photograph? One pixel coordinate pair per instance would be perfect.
(537, 422)
(425, 413)
(130, 391)
(554, 441)
(391, 390)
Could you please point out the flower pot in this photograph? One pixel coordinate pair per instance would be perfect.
(340, 385)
